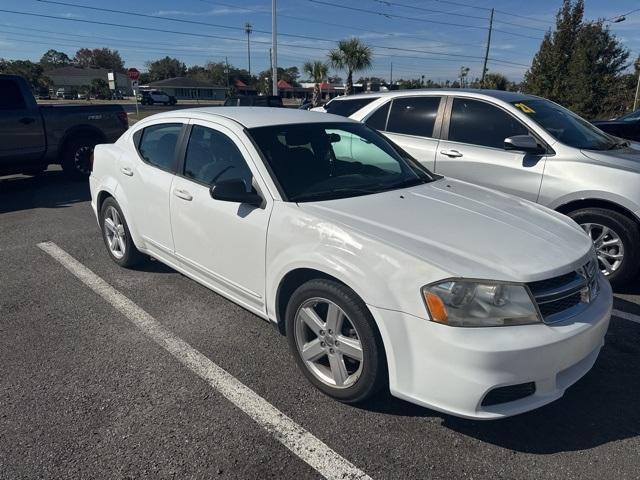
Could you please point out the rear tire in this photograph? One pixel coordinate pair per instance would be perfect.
(622, 238)
(356, 335)
(76, 156)
(116, 235)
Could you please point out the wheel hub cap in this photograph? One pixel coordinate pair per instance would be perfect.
(608, 245)
(328, 343)
(114, 233)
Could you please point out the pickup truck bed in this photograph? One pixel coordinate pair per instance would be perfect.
(33, 136)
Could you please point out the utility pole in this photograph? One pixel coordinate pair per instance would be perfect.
(391, 75)
(635, 100)
(486, 54)
(274, 47)
(226, 71)
(248, 29)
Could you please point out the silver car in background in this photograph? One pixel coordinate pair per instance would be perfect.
(522, 145)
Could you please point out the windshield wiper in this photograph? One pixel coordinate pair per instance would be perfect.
(613, 146)
(333, 194)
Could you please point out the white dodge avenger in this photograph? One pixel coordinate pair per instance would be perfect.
(380, 273)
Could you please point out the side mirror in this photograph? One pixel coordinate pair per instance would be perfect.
(235, 190)
(524, 143)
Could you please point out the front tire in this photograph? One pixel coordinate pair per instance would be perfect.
(116, 235)
(335, 341)
(616, 240)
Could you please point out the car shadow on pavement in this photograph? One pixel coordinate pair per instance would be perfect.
(600, 408)
(51, 189)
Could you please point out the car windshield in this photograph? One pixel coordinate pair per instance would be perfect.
(323, 161)
(631, 117)
(567, 127)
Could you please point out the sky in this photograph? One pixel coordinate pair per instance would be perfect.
(434, 38)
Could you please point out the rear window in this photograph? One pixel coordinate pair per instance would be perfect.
(10, 96)
(346, 108)
(157, 144)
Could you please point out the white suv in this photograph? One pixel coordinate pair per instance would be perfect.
(380, 273)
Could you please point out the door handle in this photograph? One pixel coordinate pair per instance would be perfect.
(183, 194)
(451, 153)
(127, 171)
(27, 120)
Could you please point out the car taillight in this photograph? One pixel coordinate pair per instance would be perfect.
(91, 161)
(124, 119)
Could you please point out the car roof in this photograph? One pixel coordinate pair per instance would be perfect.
(252, 117)
(470, 92)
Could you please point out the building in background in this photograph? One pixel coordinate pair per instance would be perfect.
(184, 88)
(76, 79)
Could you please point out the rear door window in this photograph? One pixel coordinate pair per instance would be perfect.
(414, 116)
(346, 108)
(157, 144)
(479, 123)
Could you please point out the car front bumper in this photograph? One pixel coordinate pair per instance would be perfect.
(452, 369)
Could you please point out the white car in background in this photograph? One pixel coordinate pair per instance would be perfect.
(380, 273)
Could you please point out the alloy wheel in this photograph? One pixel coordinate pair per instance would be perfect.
(608, 245)
(114, 232)
(328, 343)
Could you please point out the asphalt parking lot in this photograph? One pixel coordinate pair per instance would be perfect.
(85, 392)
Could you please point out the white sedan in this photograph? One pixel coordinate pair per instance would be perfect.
(380, 273)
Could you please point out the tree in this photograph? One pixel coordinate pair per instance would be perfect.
(32, 72)
(579, 65)
(99, 58)
(496, 81)
(54, 58)
(99, 88)
(317, 72)
(351, 55)
(164, 68)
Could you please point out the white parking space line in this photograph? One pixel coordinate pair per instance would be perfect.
(306, 446)
(626, 316)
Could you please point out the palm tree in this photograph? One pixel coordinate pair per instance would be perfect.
(351, 55)
(317, 71)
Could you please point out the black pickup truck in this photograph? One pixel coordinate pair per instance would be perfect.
(34, 136)
(627, 126)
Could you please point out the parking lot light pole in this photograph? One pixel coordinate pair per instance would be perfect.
(248, 28)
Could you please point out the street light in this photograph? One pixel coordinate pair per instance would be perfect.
(622, 18)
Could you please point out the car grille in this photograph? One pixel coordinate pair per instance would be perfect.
(563, 297)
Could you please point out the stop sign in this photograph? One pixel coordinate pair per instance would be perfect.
(133, 73)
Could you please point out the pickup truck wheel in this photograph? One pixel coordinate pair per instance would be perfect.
(616, 239)
(335, 341)
(116, 235)
(76, 157)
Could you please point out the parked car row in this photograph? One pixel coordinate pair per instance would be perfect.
(525, 146)
(381, 273)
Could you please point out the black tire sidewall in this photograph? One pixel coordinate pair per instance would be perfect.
(131, 255)
(628, 232)
(374, 373)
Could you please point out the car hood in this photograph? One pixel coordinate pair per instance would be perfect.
(627, 158)
(465, 230)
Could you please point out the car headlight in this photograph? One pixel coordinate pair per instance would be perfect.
(467, 303)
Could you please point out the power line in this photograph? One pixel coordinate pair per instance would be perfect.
(531, 19)
(203, 35)
(415, 19)
(306, 37)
